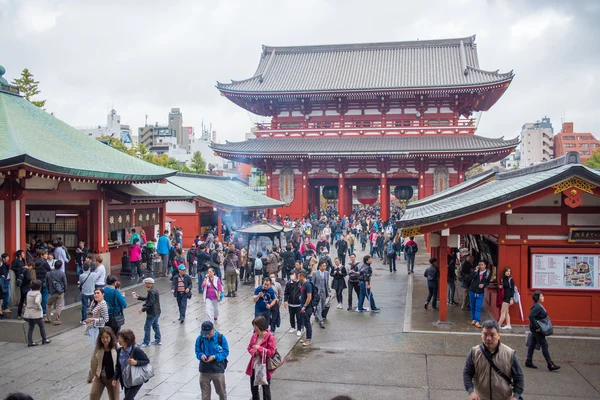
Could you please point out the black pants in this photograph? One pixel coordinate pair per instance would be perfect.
(274, 323)
(254, 389)
(339, 294)
(22, 301)
(432, 296)
(538, 338)
(138, 267)
(131, 392)
(352, 286)
(392, 260)
(32, 323)
(265, 314)
(295, 317)
(182, 304)
(342, 258)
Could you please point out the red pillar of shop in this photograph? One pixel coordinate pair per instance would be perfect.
(342, 196)
(305, 197)
(443, 284)
(384, 199)
(220, 225)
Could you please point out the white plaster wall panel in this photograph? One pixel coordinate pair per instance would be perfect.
(297, 114)
(37, 182)
(583, 219)
(83, 186)
(590, 201)
(547, 237)
(371, 111)
(549, 201)
(181, 207)
(51, 202)
(533, 219)
(394, 111)
(354, 112)
(491, 220)
(331, 112)
(513, 237)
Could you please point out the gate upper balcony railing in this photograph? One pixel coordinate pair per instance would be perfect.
(395, 127)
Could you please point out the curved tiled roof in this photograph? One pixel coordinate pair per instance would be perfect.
(363, 145)
(370, 66)
(31, 136)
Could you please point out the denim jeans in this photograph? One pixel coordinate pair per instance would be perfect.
(6, 298)
(265, 314)
(182, 304)
(364, 292)
(201, 276)
(45, 295)
(151, 321)
(392, 261)
(410, 262)
(432, 288)
(476, 301)
(86, 299)
(306, 322)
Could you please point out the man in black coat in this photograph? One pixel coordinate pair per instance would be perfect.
(151, 307)
(342, 247)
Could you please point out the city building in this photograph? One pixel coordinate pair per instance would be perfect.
(113, 128)
(408, 122)
(536, 142)
(569, 140)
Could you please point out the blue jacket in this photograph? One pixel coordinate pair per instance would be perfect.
(210, 347)
(163, 245)
(114, 299)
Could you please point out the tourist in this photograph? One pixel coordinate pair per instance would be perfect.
(190, 258)
(507, 287)
(60, 254)
(163, 249)
(273, 262)
(288, 259)
(410, 251)
(128, 354)
(51, 260)
(5, 283)
(203, 263)
(100, 271)
(135, 251)
(86, 287)
(466, 268)
(264, 299)
(320, 280)
(373, 242)
(536, 314)
(327, 234)
(81, 253)
(432, 273)
(34, 312)
(103, 365)
(181, 288)
(41, 269)
(479, 379)
(479, 278)
(18, 264)
(451, 278)
(231, 264)
(116, 304)
(365, 285)
(212, 351)
(99, 316)
(212, 294)
(307, 246)
(258, 269)
(26, 276)
(390, 253)
(134, 235)
(56, 281)
(291, 301)
(261, 348)
(353, 280)
(342, 247)
(306, 310)
(350, 239)
(364, 237)
(151, 307)
(339, 281)
(275, 315)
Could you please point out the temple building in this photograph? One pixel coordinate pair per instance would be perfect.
(366, 118)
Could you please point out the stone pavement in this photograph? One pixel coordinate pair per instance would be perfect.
(363, 355)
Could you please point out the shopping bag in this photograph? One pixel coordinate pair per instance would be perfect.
(260, 371)
(545, 326)
(138, 375)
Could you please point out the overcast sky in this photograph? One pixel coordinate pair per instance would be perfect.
(145, 57)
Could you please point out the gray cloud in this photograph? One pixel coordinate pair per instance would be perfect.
(148, 56)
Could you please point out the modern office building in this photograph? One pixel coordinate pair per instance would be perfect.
(569, 140)
(537, 142)
(113, 128)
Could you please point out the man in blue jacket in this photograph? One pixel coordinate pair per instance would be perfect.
(162, 248)
(212, 351)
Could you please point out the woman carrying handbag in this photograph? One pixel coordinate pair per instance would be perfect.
(540, 327)
(103, 365)
(128, 355)
(261, 349)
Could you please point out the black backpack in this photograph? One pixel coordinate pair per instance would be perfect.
(315, 296)
(220, 342)
(58, 286)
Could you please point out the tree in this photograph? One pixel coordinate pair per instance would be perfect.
(28, 87)
(198, 164)
(594, 160)
(476, 169)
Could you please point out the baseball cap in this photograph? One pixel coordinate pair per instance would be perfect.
(181, 267)
(207, 327)
(149, 280)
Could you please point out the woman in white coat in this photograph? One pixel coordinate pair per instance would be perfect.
(212, 294)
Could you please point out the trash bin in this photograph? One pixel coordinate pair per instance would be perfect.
(125, 266)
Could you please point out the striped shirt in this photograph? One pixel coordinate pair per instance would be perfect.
(180, 284)
(100, 314)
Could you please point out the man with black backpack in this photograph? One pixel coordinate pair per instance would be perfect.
(353, 281)
(410, 252)
(56, 281)
(212, 351)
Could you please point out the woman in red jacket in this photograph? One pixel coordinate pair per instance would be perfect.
(262, 342)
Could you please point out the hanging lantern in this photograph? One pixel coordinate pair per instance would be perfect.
(367, 194)
(403, 192)
(330, 192)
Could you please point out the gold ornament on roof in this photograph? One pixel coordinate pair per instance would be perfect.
(574, 182)
(408, 232)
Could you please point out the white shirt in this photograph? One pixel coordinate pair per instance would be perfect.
(100, 275)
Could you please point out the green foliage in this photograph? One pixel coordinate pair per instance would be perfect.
(198, 164)
(141, 151)
(476, 169)
(28, 87)
(594, 160)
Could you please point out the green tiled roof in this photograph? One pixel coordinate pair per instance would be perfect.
(507, 186)
(224, 192)
(31, 136)
(151, 191)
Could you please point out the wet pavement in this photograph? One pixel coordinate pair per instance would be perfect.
(364, 355)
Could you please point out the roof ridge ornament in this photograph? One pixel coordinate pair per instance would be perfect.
(569, 158)
(463, 58)
(5, 86)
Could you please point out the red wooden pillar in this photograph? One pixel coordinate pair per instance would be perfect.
(305, 190)
(220, 225)
(23, 222)
(443, 284)
(384, 200)
(342, 196)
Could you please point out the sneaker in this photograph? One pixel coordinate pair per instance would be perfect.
(530, 365)
(477, 325)
(360, 310)
(47, 341)
(144, 344)
(506, 327)
(292, 330)
(425, 306)
(553, 367)
(349, 308)
(157, 343)
(299, 333)
(307, 343)
(31, 344)
(181, 321)
(321, 325)
(375, 310)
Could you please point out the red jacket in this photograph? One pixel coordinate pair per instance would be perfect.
(303, 247)
(268, 344)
